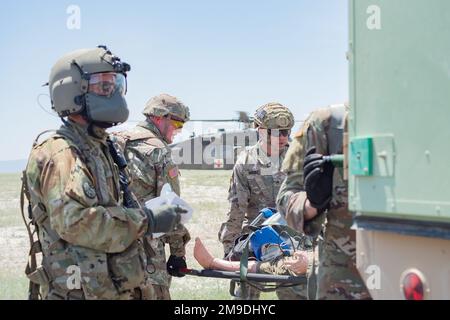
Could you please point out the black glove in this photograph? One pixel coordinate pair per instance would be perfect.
(164, 218)
(318, 179)
(174, 264)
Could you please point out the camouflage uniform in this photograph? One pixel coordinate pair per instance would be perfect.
(250, 191)
(255, 183)
(151, 166)
(254, 186)
(277, 266)
(76, 204)
(338, 277)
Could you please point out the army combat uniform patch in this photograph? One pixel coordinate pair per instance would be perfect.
(173, 172)
(89, 190)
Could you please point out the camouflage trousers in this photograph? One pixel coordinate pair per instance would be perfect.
(136, 294)
(299, 292)
(158, 280)
(338, 277)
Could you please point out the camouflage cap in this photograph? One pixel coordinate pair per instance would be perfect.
(273, 116)
(164, 105)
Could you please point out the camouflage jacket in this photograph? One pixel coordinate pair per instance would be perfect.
(277, 266)
(254, 185)
(324, 130)
(77, 206)
(151, 166)
(338, 277)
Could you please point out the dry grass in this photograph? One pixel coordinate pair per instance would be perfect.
(206, 191)
(10, 200)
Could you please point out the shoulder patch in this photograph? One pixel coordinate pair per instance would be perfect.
(89, 190)
(173, 172)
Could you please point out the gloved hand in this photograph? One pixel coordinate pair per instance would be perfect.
(174, 264)
(318, 179)
(164, 218)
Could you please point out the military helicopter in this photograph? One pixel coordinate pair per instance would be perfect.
(213, 150)
(216, 150)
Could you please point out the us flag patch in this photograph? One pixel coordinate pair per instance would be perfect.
(173, 172)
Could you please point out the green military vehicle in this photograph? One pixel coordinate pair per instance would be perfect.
(399, 146)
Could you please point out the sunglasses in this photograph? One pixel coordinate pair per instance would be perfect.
(177, 124)
(283, 132)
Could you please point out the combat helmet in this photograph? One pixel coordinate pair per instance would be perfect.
(164, 105)
(91, 82)
(273, 116)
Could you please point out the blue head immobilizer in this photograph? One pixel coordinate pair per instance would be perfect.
(266, 242)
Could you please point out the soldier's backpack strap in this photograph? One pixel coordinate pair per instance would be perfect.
(36, 141)
(243, 267)
(243, 270)
(35, 274)
(31, 268)
(140, 132)
(35, 248)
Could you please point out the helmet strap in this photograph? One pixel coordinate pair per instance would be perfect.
(85, 77)
(64, 121)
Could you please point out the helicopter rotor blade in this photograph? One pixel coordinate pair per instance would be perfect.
(243, 117)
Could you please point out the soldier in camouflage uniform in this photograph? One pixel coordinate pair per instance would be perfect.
(257, 178)
(151, 166)
(323, 191)
(88, 239)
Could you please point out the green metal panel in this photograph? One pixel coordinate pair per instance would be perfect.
(399, 58)
(361, 159)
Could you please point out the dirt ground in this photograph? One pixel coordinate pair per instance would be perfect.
(206, 191)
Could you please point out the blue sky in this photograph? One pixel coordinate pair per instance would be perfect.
(217, 57)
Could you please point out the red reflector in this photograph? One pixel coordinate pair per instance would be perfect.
(413, 287)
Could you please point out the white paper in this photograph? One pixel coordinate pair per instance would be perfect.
(168, 197)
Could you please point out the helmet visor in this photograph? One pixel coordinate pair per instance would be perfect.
(107, 83)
